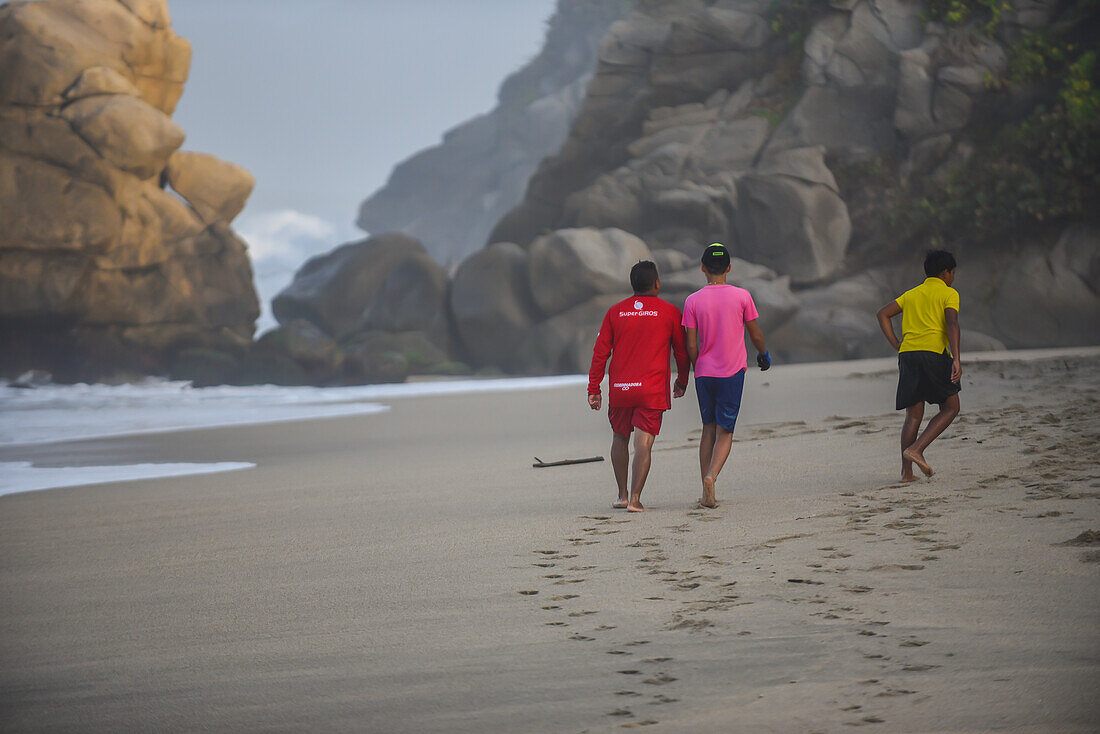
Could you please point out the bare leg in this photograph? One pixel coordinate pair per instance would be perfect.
(643, 451)
(706, 448)
(723, 441)
(914, 414)
(936, 426)
(620, 456)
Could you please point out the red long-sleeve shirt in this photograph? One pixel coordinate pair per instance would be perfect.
(637, 334)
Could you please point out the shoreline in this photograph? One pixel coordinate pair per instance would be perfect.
(368, 574)
(438, 386)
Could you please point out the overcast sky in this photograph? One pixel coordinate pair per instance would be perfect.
(319, 99)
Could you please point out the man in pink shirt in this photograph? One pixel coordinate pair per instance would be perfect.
(716, 318)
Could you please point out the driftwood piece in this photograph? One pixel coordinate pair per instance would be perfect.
(540, 464)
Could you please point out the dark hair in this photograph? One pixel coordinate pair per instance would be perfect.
(716, 258)
(643, 277)
(936, 261)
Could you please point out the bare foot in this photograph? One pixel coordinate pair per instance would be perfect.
(636, 507)
(910, 477)
(619, 504)
(917, 458)
(708, 499)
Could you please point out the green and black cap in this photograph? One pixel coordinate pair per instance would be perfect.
(716, 257)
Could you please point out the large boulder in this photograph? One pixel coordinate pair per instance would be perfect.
(334, 290)
(314, 350)
(413, 297)
(49, 44)
(217, 190)
(790, 216)
(492, 307)
(711, 48)
(132, 135)
(941, 79)
(853, 120)
(94, 253)
(858, 47)
(571, 266)
(1051, 297)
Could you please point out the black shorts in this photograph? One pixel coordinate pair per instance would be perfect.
(924, 377)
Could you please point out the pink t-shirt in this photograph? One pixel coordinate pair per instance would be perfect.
(720, 312)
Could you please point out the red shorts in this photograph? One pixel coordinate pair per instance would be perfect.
(625, 420)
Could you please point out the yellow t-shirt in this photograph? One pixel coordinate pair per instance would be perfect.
(923, 326)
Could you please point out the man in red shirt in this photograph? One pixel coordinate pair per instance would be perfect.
(637, 334)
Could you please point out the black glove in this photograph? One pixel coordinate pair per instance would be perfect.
(764, 361)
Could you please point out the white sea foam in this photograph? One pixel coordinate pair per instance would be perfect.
(66, 412)
(21, 476)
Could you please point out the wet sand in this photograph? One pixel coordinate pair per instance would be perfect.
(411, 572)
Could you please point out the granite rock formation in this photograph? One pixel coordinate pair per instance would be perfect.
(103, 268)
(736, 120)
(787, 130)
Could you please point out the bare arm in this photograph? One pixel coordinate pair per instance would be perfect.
(683, 366)
(692, 344)
(884, 315)
(954, 335)
(756, 336)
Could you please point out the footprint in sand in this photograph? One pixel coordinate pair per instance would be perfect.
(657, 660)
(627, 693)
(620, 712)
(581, 638)
(528, 592)
(864, 721)
(660, 699)
(563, 597)
(619, 652)
(891, 692)
(660, 679)
(584, 613)
(646, 722)
(628, 672)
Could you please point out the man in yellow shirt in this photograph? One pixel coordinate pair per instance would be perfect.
(928, 357)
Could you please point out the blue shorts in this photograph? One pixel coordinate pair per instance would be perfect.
(720, 399)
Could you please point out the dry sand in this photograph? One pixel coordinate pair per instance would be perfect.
(410, 571)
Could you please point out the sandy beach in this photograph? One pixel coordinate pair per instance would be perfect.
(409, 571)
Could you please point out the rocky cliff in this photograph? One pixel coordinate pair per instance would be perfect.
(829, 144)
(834, 142)
(115, 247)
(450, 196)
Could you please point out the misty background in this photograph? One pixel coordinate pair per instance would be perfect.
(320, 100)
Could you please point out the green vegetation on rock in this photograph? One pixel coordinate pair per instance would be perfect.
(1041, 166)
